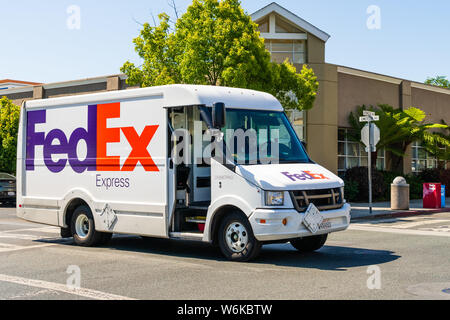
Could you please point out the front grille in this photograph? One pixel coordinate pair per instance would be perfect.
(324, 199)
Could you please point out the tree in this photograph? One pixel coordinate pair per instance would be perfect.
(9, 125)
(216, 43)
(439, 81)
(398, 129)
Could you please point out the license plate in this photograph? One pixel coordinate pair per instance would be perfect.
(312, 219)
(11, 193)
(326, 224)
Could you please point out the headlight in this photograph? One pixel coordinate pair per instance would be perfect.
(274, 198)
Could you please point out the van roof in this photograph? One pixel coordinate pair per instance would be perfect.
(174, 95)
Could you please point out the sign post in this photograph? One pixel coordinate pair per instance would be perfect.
(370, 136)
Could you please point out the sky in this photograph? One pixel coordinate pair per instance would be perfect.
(41, 42)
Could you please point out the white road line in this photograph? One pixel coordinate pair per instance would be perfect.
(82, 292)
(400, 231)
(8, 246)
(401, 225)
(42, 229)
(21, 248)
(418, 223)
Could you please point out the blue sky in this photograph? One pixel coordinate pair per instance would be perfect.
(413, 42)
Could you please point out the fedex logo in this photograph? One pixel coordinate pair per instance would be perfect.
(305, 175)
(96, 136)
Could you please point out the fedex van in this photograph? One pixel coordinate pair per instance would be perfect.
(106, 163)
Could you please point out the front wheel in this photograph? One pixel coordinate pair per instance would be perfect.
(309, 244)
(236, 239)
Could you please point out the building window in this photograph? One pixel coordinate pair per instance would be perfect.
(422, 159)
(353, 154)
(294, 50)
(297, 119)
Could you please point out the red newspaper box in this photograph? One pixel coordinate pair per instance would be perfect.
(432, 195)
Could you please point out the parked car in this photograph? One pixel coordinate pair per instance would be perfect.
(7, 189)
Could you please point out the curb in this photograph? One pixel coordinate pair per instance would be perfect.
(402, 214)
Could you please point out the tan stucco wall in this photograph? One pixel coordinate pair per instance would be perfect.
(321, 128)
(355, 91)
(315, 50)
(435, 104)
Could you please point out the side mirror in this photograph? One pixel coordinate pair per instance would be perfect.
(218, 115)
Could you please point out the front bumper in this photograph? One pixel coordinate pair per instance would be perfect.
(7, 195)
(267, 224)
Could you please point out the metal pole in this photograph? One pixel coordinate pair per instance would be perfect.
(370, 165)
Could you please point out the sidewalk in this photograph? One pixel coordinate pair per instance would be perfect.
(383, 209)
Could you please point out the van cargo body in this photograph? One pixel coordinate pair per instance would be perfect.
(102, 163)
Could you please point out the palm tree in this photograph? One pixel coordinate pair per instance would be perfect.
(398, 129)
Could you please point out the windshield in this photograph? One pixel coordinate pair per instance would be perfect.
(262, 137)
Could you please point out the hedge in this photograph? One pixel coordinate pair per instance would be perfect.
(357, 190)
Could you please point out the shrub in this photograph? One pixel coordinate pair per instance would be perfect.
(415, 186)
(430, 175)
(351, 191)
(444, 178)
(388, 177)
(359, 176)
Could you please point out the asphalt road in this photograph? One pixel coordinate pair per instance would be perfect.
(404, 258)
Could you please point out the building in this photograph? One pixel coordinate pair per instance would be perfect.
(341, 90)
(8, 84)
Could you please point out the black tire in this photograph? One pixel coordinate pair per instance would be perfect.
(66, 233)
(252, 246)
(91, 237)
(309, 244)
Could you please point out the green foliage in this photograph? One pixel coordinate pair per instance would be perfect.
(437, 175)
(415, 186)
(439, 81)
(9, 124)
(356, 177)
(216, 43)
(399, 128)
(359, 176)
(351, 191)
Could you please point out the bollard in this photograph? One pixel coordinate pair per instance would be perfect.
(399, 194)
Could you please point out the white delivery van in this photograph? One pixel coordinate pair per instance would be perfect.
(102, 163)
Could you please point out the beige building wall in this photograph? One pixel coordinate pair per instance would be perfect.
(321, 120)
(356, 90)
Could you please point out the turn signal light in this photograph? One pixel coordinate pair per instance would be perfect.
(284, 221)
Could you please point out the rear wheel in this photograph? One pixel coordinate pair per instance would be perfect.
(309, 244)
(83, 228)
(236, 239)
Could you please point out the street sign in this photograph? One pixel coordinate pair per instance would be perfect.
(368, 113)
(364, 119)
(368, 118)
(367, 130)
(370, 136)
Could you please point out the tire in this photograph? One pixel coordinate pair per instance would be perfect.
(309, 244)
(236, 239)
(66, 233)
(83, 228)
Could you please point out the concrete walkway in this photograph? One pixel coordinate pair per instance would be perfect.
(361, 210)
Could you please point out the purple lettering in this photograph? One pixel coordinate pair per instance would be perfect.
(50, 148)
(33, 138)
(290, 176)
